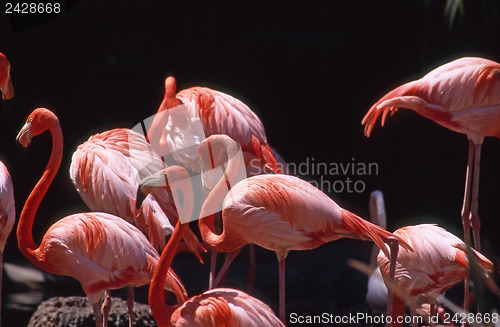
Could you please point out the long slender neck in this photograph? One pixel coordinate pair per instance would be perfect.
(24, 228)
(216, 197)
(161, 311)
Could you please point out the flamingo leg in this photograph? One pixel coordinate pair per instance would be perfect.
(96, 307)
(106, 307)
(1, 275)
(466, 204)
(466, 213)
(224, 269)
(281, 265)
(394, 247)
(433, 313)
(130, 305)
(474, 215)
(252, 268)
(413, 312)
(213, 264)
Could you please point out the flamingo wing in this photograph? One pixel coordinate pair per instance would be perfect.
(219, 113)
(7, 207)
(282, 211)
(102, 252)
(224, 307)
(106, 171)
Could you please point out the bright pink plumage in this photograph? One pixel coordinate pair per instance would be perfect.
(219, 113)
(106, 170)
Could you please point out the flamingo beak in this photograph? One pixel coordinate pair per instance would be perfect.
(24, 135)
(147, 185)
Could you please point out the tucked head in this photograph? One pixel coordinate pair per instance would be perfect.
(38, 122)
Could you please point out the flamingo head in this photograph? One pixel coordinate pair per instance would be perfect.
(38, 122)
(5, 82)
(170, 100)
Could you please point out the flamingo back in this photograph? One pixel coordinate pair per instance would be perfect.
(219, 113)
(224, 307)
(282, 213)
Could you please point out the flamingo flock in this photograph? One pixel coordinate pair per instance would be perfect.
(141, 194)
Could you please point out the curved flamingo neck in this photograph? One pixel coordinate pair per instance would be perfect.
(161, 311)
(159, 308)
(217, 195)
(24, 228)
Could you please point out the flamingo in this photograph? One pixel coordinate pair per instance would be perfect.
(99, 250)
(7, 215)
(438, 261)
(6, 86)
(106, 170)
(464, 96)
(216, 307)
(277, 212)
(178, 134)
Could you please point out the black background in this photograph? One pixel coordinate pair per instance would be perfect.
(310, 70)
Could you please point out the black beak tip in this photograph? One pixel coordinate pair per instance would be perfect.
(139, 198)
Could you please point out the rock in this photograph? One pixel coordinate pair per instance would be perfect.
(75, 311)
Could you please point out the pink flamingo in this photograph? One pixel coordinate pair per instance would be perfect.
(438, 261)
(464, 96)
(7, 215)
(6, 86)
(106, 170)
(277, 212)
(99, 250)
(216, 307)
(219, 113)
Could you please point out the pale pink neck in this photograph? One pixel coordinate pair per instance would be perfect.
(24, 228)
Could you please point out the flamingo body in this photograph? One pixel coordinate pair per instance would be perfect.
(99, 250)
(283, 213)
